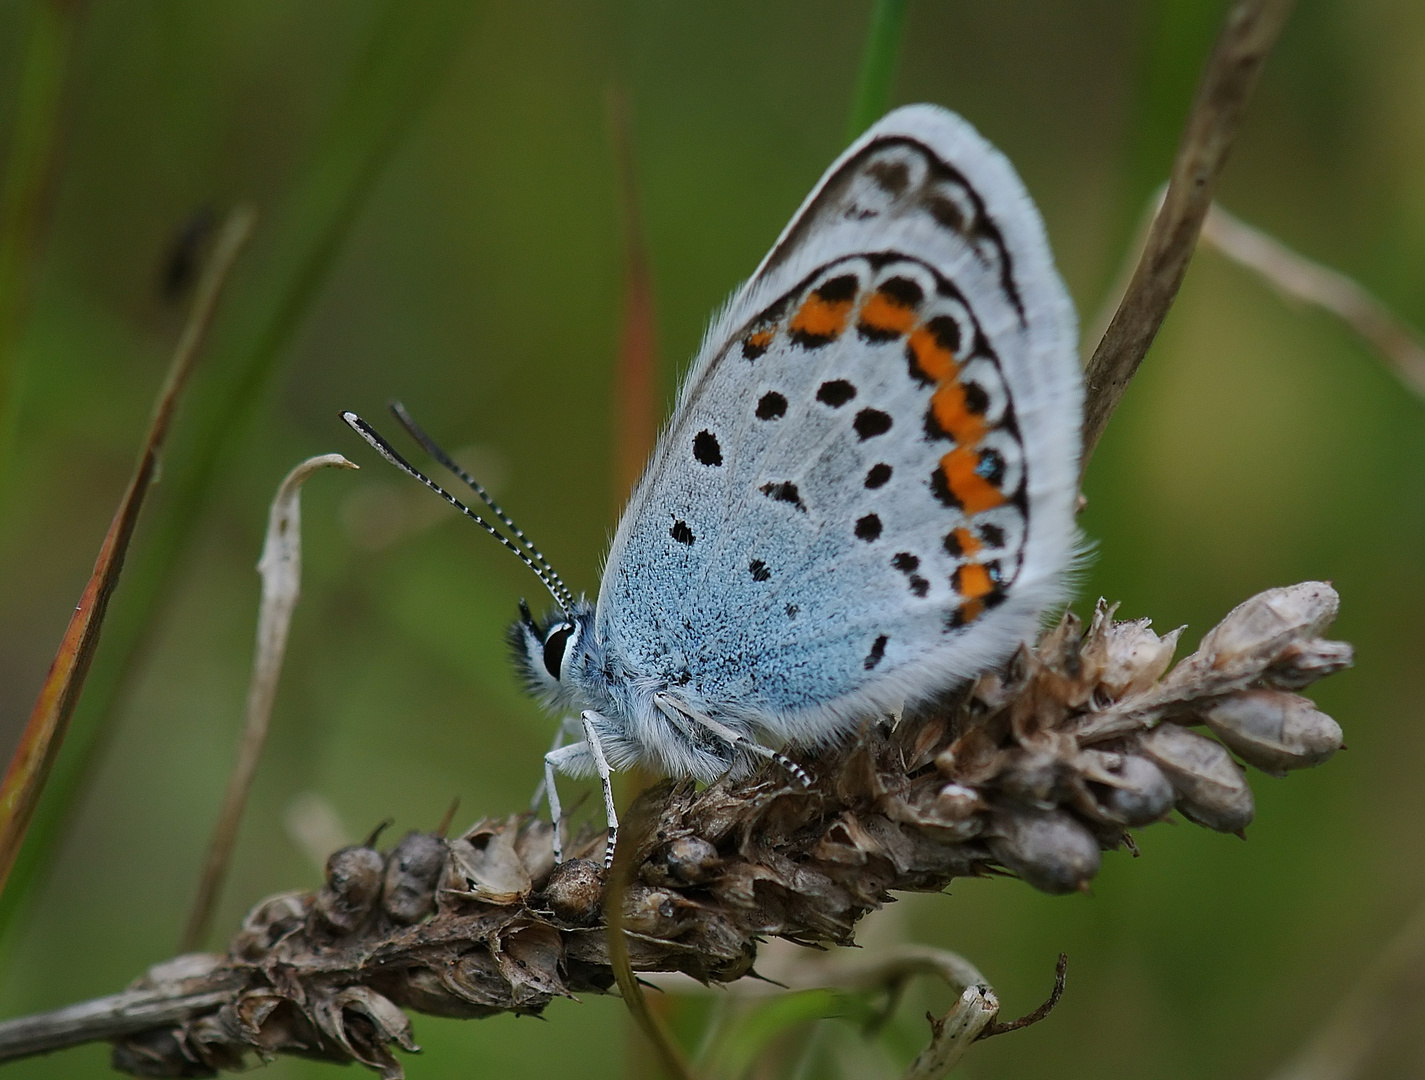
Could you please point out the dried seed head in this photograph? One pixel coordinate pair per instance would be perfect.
(1128, 788)
(656, 912)
(956, 803)
(1212, 789)
(352, 888)
(689, 860)
(1070, 663)
(1047, 848)
(1274, 730)
(575, 890)
(269, 922)
(1136, 657)
(485, 865)
(1262, 626)
(1077, 725)
(1302, 664)
(412, 870)
(1035, 777)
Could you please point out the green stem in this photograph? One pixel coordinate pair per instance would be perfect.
(24, 189)
(878, 65)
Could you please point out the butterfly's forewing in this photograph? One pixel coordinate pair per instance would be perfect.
(866, 492)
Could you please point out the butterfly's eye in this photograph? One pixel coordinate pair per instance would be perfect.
(556, 644)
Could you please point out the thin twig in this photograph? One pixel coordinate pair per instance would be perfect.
(44, 733)
(1061, 970)
(1250, 30)
(1298, 278)
(281, 570)
(111, 1017)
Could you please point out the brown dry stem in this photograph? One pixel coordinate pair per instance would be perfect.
(281, 570)
(1301, 280)
(1033, 772)
(45, 731)
(1246, 39)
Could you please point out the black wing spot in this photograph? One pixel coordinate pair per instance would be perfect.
(772, 406)
(892, 177)
(759, 570)
(792, 610)
(877, 475)
(681, 533)
(933, 431)
(919, 585)
(786, 492)
(877, 653)
(905, 562)
(992, 534)
(835, 393)
(839, 288)
(707, 449)
(940, 487)
(871, 422)
(868, 528)
(953, 547)
(903, 291)
(977, 399)
(947, 333)
(946, 211)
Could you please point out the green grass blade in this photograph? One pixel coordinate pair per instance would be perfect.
(409, 50)
(878, 65)
(740, 1045)
(29, 155)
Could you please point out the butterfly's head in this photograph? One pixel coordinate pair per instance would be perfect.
(550, 656)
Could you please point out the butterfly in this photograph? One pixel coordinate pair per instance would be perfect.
(865, 494)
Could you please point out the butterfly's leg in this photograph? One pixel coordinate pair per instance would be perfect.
(554, 761)
(737, 739)
(601, 763)
(568, 726)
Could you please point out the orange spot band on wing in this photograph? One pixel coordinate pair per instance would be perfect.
(934, 361)
(973, 582)
(818, 318)
(968, 543)
(762, 338)
(885, 314)
(973, 492)
(969, 611)
(952, 412)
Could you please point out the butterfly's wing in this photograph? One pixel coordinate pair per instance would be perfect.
(866, 491)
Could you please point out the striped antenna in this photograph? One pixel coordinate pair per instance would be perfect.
(431, 447)
(556, 588)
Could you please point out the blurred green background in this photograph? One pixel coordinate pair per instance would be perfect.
(440, 222)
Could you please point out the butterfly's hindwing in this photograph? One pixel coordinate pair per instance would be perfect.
(866, 491)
